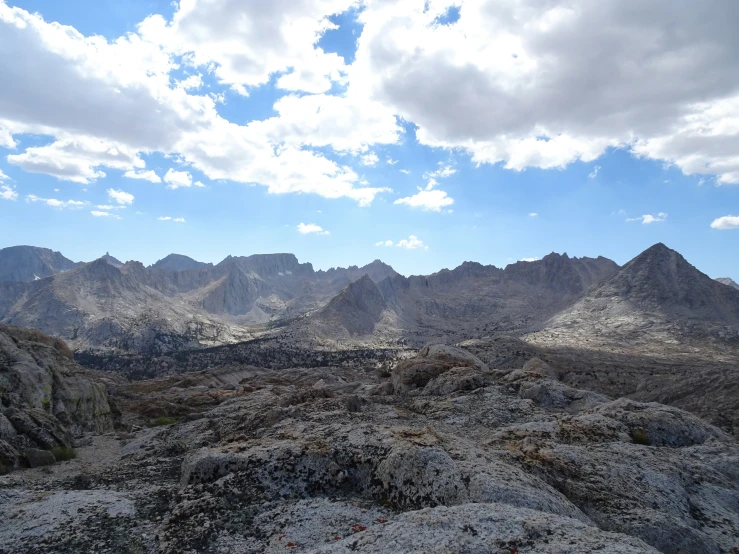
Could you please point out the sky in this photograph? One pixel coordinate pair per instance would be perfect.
(423, 133)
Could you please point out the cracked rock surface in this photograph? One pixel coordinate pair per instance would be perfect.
(441, 453)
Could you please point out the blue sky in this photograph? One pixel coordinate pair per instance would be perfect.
(444, 128)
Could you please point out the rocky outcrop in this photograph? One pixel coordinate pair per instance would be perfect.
(313, 460)
(431, 366)
(48, 401)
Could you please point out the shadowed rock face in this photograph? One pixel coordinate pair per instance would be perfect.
(30, 263)
(47, 399)
(356, 309)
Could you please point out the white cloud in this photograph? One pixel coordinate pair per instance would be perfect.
(198, 184)
(649, 218)
(308, 228)
(431, 200)
(3, 177)
(442, 172)
(593, 174)
(173, 219)
(545, 85)
(105, 214)
(517, 83)
(726, 222)
(370, 159)
(529, 259)
(59, 204)
(109, 207)
(533, 214)
(384, 243)
(391, 161)
(120, 197)
(411, 243)
(7, 193)
(406, 171)
(146, 174)
(244, 42)
(177, 179)
(104, 102)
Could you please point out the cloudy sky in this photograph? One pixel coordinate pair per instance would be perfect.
(424, 133)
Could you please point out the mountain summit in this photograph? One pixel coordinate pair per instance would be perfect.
(30, 263)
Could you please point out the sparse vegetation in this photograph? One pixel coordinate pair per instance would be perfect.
(640, 436)
(64, 453)
(160, 421)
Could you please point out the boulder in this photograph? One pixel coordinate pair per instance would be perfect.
(432, 360)
(38, 458)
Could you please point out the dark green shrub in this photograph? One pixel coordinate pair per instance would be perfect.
(63, 453)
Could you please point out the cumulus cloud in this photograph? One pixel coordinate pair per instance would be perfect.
(547, 85)
(726, 222)
(440, 173)
(244, 42)
(120, 197)
(529, 259)
(97, 213)
(370, 159)
(412, 243)
(522, 83)
(593, 174)
(533, 214)
(173, 219)
(59, 204)
(309, 228)
(649, 218)
(177, 179)
(146, 175)
(7, 193)
(406, 171)
(104, 103)
(384, 243)
(427, 199)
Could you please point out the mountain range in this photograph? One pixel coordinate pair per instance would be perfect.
(180, 303)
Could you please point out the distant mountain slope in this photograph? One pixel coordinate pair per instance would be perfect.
(728, 281)
(356, 309)
(656, 301)
(474, 299)
(178, 262)
(30, 263)
(97, 305)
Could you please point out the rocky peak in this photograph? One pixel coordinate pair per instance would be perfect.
(111, 260)
(30, 263)
(661, 278)
(560, 273)
(728, 281)
(270, 266)
(178, 262)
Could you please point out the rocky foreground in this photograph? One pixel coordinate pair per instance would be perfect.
(432, 453)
